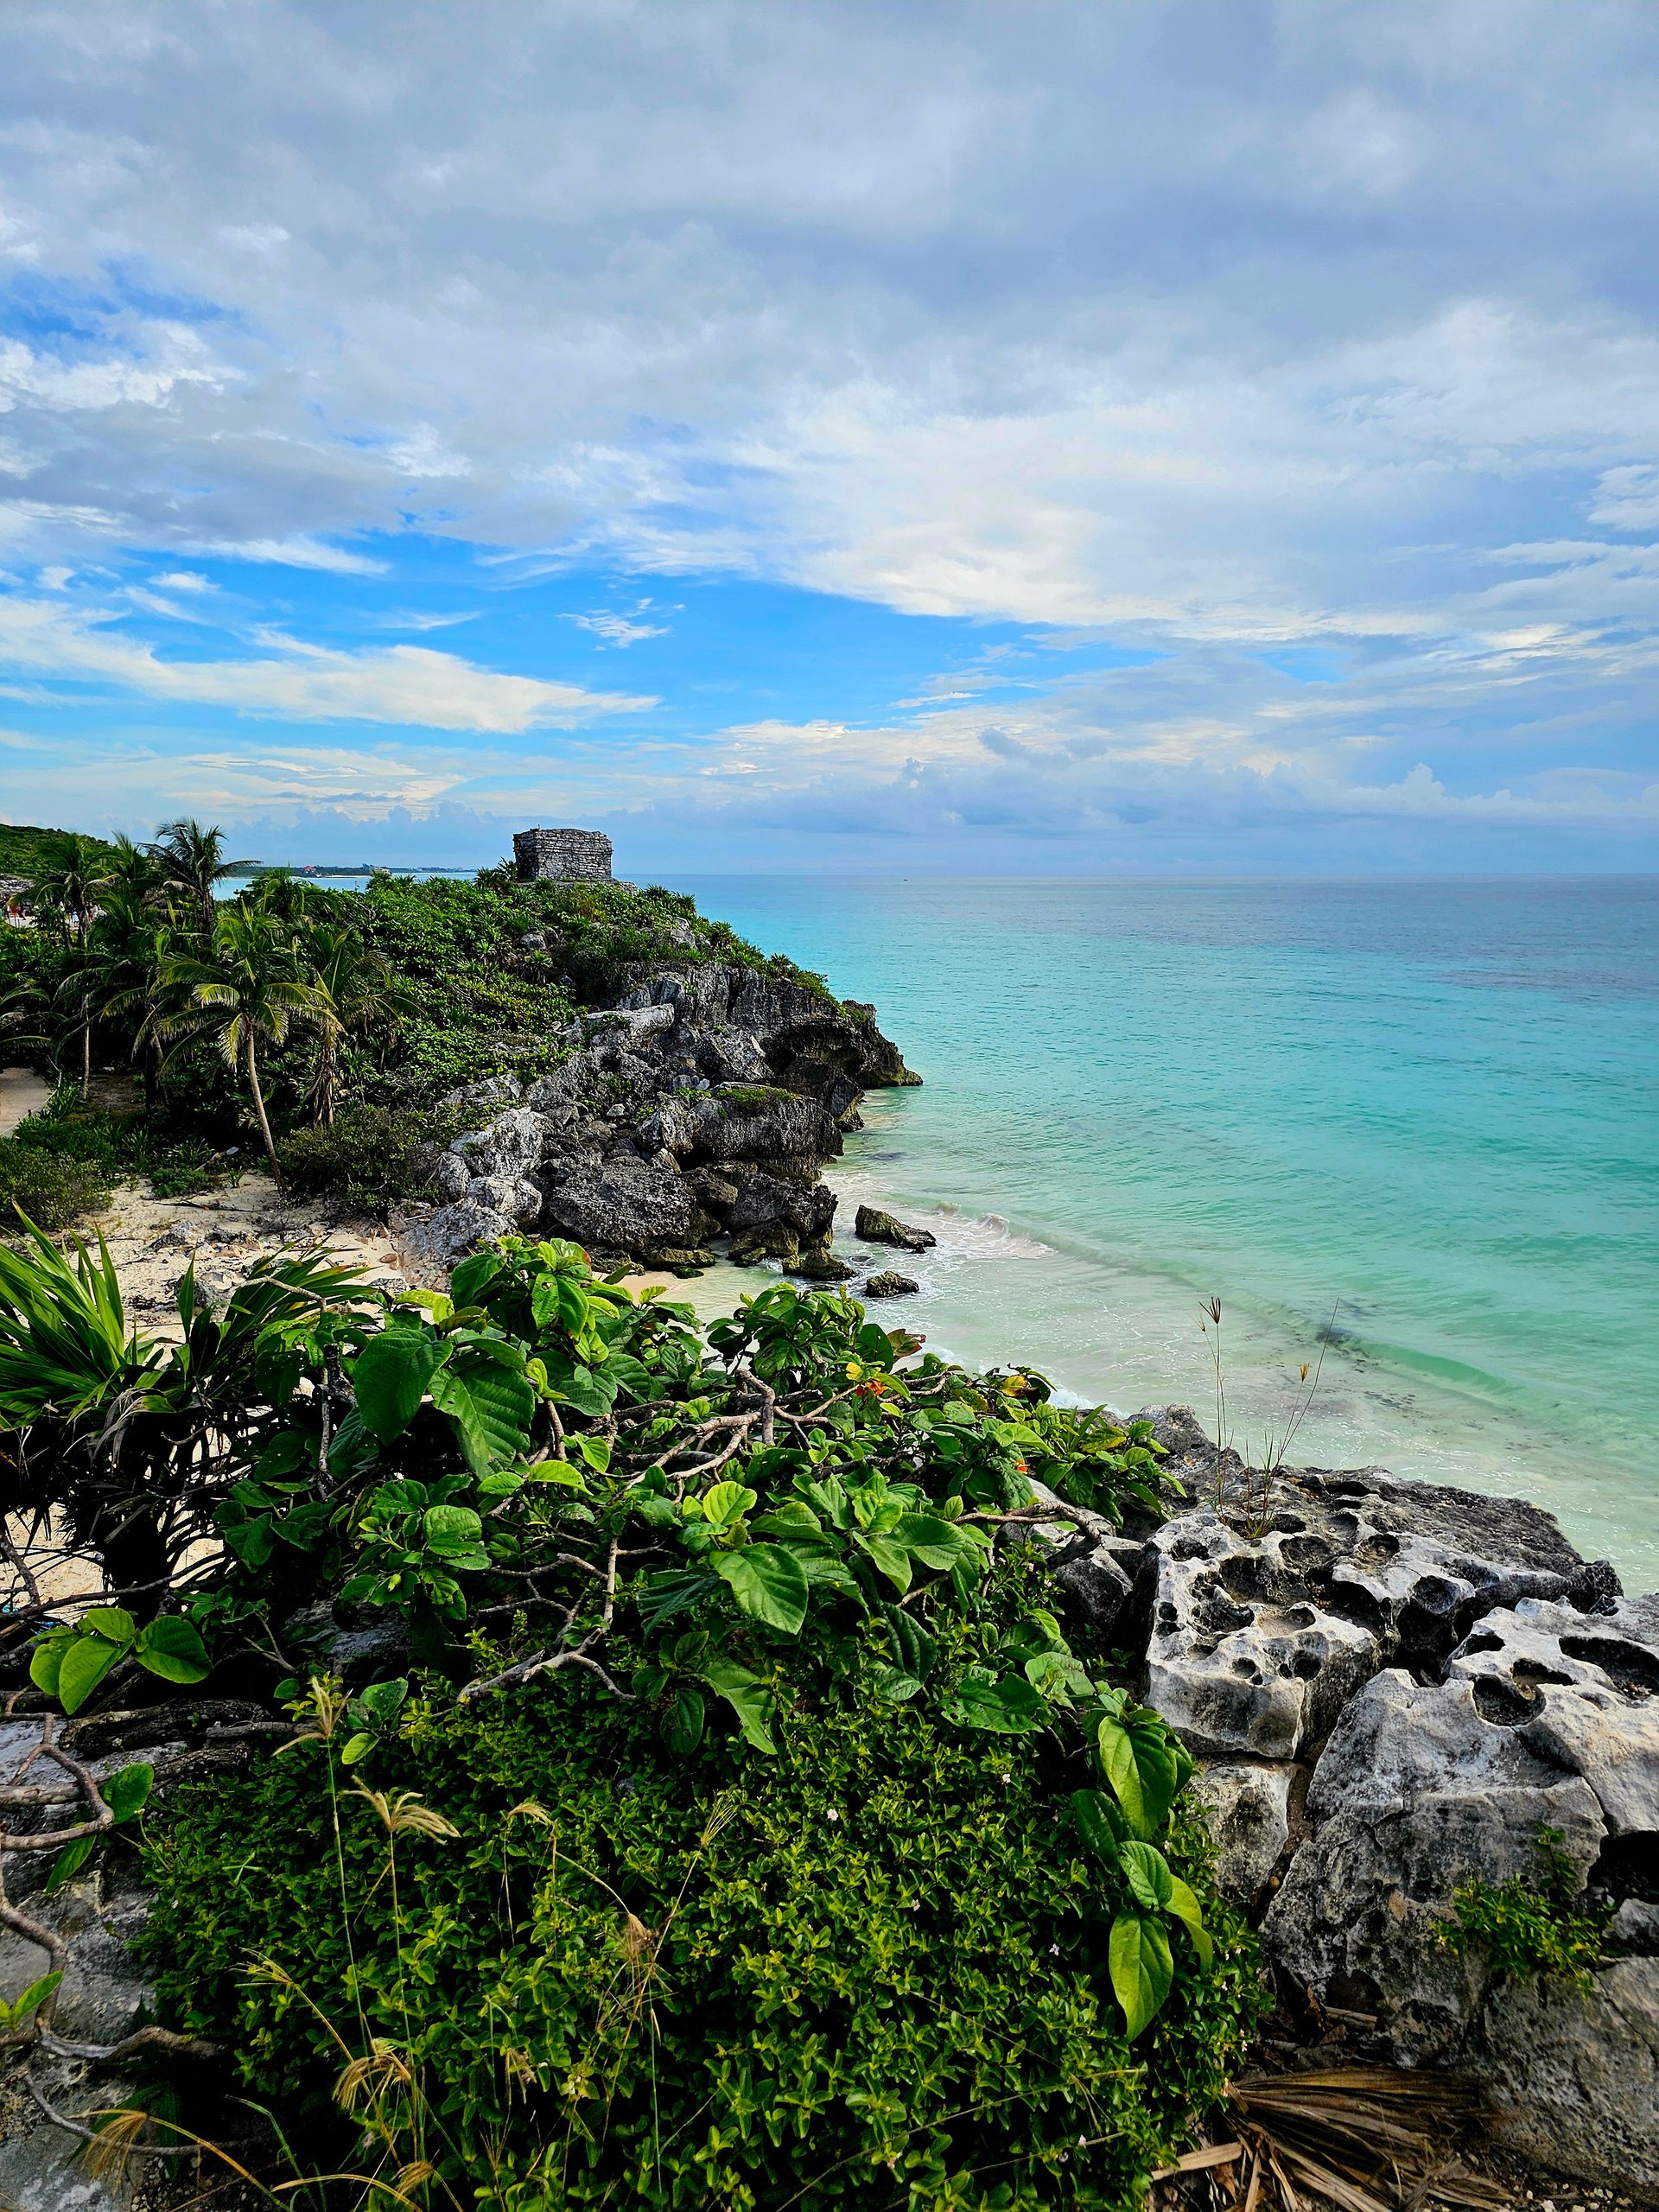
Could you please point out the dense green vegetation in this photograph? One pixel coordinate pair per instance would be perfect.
(740, 1825)
(30, 852)
(727, 1816)
(324, 1025)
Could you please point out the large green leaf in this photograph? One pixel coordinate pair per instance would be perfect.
(1186, 1909)
(114, 1623)
(47, 1661)
(126, 1792)
(492, 1408)
(912, 1647)
(887, 1557)
(86, 1663)
(174, 1649)
(748, 1697)
(452, 1532)
(591, 1390)
(1099, 1823)
(69, 1862)
(1139, 1759)
(936, 1542)
(894, 1687)
(724, 1502)
(392, 1375)
(1146, 1872)
(681, 1725)
(1010, 1707)
(767, 1582)
(1141, 1969)
(472, 1274)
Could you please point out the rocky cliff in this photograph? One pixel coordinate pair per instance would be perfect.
(703, 1104)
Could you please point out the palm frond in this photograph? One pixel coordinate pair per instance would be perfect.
(1362, 2139)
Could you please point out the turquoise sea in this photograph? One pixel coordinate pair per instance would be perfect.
(1432, 1106)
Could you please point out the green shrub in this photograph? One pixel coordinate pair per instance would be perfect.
(53, 1190)
(1548, 1927)
(372, 1160)
(870, 1970)
(111, 1148)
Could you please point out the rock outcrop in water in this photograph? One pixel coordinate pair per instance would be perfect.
(704, 1103)
(1394, 1689)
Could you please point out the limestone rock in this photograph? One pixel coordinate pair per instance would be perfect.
(454, 1230)
(450, 1176)
(637, 1025)
(1576, 2079)
(729, 1055)
(510, 1145)
(481, 1098)
(821, 1267)
(624, 1204)
(875, 1227)
(766, 1205)
(1239, 1660)
(1248, 1806)
(1549, 1716)
(890, 1286)
(511, 1196)
(1259, 1639)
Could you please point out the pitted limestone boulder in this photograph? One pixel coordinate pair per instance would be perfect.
(1263, 1626)
(1548, 1717)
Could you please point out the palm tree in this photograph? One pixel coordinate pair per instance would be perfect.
(76, 1000)
(132, 871)
(129, 951)
(191, 861)
(279, 891)
(354, 992)
(244, 986)
(69, 883)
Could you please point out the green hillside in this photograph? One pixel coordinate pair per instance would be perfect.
(25, 851)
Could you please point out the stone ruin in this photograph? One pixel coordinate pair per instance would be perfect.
(562, 855)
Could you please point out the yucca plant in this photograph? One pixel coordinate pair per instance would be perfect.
(134, 1438)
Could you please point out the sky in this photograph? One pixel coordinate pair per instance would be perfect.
(1129, 437)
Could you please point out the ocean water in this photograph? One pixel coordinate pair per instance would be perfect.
(1428, 1109)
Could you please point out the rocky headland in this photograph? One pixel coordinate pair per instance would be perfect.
(703, 1104)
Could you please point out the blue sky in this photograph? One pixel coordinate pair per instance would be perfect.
(1148, 437)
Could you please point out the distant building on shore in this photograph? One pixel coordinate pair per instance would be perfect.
(562, 855)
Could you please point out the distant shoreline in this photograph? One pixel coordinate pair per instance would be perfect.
(310, 869)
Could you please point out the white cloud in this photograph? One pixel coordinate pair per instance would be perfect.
(395, 683)
(42, 380)
(1216, 330)
(619, 629)
(298, 552)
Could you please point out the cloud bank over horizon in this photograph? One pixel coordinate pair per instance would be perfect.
(1215, 436)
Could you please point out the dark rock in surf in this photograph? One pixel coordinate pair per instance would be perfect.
(873, 1226)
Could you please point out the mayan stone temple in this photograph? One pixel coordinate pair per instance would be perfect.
(562, 855)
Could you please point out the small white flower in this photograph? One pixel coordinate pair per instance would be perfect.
(1053, 1950)
(1083, 2142)
(833, 1814)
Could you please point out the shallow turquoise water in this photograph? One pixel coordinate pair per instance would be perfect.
(1431, 1102)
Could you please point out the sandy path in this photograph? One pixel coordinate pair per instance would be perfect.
(22, 1092)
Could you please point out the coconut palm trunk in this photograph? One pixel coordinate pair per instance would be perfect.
(259, 1108)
